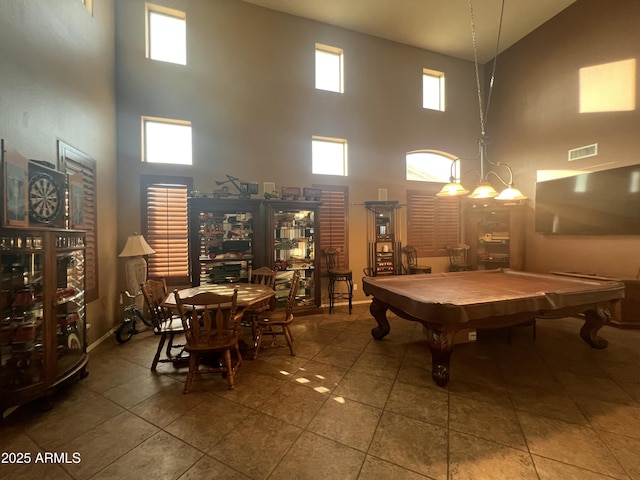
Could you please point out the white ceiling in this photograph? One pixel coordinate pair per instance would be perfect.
(442, 26)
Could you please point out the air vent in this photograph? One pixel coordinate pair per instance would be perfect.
(583, 152)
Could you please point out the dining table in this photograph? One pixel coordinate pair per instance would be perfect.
(252, 299)
(249, 295)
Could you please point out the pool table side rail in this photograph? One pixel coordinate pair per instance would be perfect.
(506, 302)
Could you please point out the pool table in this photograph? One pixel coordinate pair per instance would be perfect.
(446, 302)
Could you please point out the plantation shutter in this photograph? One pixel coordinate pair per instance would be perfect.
(432, 222)
(82, 169)
(333, 223)
(166, 230)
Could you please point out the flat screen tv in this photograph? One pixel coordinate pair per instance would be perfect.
(597, 203)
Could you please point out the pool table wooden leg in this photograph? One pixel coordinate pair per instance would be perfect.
(594, 320)
(379, 311)
(441, 342)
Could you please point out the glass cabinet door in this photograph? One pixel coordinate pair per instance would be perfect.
(294, 250)
(21, 305)
(225, 245)
(69, 304)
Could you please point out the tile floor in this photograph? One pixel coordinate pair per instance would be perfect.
(350, 407)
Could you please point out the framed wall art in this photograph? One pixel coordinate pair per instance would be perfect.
(15, 177)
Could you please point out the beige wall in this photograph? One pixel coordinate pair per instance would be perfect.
(249, 90)
(56, 82)
(535, 121)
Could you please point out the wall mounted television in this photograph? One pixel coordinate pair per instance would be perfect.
(597, 203)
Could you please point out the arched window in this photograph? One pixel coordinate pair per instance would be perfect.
(431, 166)
(432, 222)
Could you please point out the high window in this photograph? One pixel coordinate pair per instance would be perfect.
(430, 166)
(166, 34)
(329, 68)
(329, 156)
(166, 141)
(165, 226)
(432, 90)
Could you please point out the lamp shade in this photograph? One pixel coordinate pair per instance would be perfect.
(484, 190)
(136, 246)
(452, 189)
(511, 193)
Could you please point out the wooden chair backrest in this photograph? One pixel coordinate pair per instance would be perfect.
(209, 318)
(154, 293)
(291, 299)
(263, 276)
(331, 256)
(458, 253)
(412, 255)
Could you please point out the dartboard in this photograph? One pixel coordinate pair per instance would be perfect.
(45, 199)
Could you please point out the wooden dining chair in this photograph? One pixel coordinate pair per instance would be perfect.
(211, 323)
(267, 277)
(166, 324)
(261, 276)
(276, 323)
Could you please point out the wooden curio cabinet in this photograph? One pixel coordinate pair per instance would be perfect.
(43, 325)
(495, 235)
(291, 236)
(222, 233)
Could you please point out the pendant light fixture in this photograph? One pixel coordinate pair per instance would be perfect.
(484, 189)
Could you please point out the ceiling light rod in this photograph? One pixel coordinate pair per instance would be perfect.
(484, 188)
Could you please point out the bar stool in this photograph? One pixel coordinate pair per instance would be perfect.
(458, 257)
(337, 274)
(412, 261)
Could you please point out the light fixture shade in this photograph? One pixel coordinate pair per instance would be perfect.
(511, 193)
(136, 246)
(484, 190)
(452, 189)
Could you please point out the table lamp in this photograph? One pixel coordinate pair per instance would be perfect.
(136, 266)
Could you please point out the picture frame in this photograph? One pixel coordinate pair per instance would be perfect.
(15, 177)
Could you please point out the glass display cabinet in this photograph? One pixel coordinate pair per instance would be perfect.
(221, 240)
(383, 245)
(43, 324)
(293, 232)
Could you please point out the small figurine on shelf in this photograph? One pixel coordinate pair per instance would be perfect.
(245, 189)
(291, 192)
(312, 194)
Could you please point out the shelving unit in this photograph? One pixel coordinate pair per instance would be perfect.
(221, 239)
(291, 238)
(495, 235)
(43, 323)
(383, 246)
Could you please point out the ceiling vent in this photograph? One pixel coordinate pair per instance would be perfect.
(583, 152)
